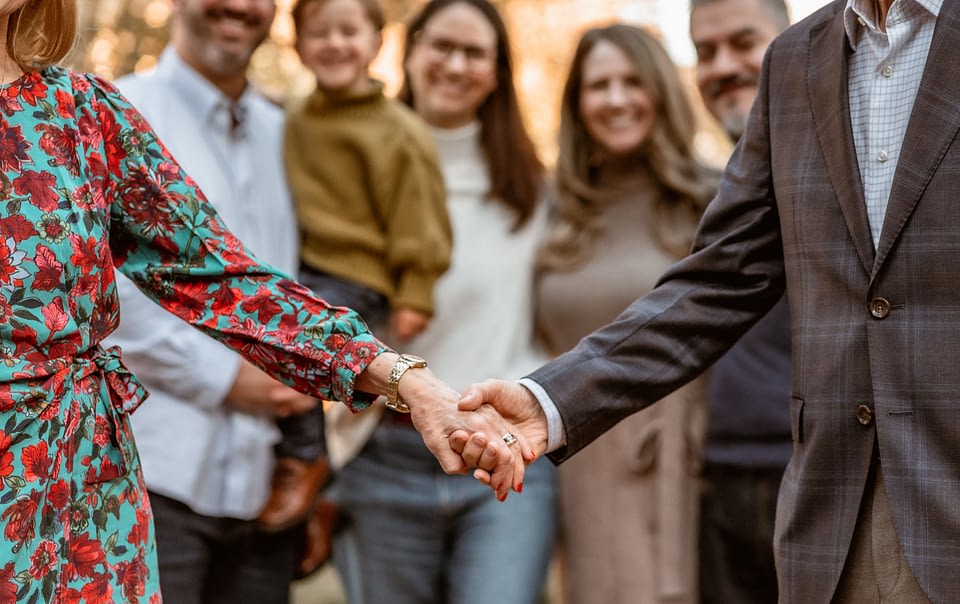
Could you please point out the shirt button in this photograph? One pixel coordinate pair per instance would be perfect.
(887, 71)
(879, 308)
(882, 156)
(864, 414)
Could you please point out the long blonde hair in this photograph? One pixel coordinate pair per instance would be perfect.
(41, 33)
(686, 184)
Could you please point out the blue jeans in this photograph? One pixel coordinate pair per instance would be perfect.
(302, 435)
(414, 534)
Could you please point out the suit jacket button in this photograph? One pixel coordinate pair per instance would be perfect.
(864, 414)
(879, 308)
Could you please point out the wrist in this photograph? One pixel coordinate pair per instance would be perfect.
(403, 364)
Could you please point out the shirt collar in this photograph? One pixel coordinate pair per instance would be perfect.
(195, 89)
(862, 13)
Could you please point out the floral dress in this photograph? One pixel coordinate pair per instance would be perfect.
(85, 186)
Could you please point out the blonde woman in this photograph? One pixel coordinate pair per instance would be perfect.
(630, 193)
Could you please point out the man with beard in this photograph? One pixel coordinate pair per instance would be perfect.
(748, 439)
(206, 437)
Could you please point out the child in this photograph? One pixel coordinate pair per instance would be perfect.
(371, 204)
(364, 176)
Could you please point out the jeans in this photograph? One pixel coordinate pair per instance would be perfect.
(207, 560)
(302, 435)
(414, 534)
(737, 511)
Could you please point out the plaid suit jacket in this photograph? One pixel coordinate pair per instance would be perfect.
(876, 332)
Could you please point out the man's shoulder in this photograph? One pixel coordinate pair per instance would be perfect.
(142, 88)
(815, 20)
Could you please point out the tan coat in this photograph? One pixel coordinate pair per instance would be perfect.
(628, 502)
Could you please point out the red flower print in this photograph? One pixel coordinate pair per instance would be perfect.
(59, 494)
(29, 88)
(16, 227)
(36, 462)
(21, 516)
(132, 577)
(12, 272)
(44, 559)
(49, 269)
(112, 143)
(263, 304)
(85, 556)
(60, 144)
(40, 189)
(101, 431)
(65, 103)
(136, 120)
(54, 316)
(189, 300)
(8, 587)
(148, 204)
(6, 456)
(87, 197)
(89, 131)
(225, 299)
(86, 253)
(98, 591)
(70, 596)
(13, 147)
(141, 530)
(9, 103)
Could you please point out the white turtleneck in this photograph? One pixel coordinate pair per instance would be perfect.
(484, 303)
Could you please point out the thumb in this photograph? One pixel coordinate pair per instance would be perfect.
(476, 395)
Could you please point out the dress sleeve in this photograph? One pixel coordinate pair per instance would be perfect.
(169, 241)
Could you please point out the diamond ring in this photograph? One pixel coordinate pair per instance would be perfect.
(509, 438)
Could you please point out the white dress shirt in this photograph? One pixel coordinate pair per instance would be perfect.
(194, 448)
(885, 72)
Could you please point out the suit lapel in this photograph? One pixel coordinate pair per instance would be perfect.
(932, 128)
(827, 79)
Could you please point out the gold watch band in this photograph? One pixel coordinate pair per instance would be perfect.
(403, 363)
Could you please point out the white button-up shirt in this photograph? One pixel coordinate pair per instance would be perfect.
(885, 72)
(194, 448)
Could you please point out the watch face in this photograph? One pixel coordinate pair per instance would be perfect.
(414, 360)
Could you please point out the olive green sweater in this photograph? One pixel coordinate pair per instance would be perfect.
(369, 194)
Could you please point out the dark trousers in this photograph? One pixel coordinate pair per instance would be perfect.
(207, 560)
(302, 435)
(737, 511)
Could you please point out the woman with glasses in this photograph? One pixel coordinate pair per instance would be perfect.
(416, 535)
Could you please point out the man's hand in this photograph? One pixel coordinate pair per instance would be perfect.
(255, 392)
(436, 416)
(515, 404)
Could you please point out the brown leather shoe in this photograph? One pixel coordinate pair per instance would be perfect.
(318, 540)
(293, 492)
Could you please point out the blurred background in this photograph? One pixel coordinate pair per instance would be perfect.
(120, 36)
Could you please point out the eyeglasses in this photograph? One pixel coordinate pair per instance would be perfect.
(438, 49)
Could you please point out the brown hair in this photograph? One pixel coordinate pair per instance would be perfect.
(371, 7)
(516, 173)
(686, 184)
(41, 33)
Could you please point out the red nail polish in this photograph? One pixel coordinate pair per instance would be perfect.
(520, 488)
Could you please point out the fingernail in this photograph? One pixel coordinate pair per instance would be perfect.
(520, 488)
(502, 498)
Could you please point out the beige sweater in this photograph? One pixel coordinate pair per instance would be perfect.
(369, 194)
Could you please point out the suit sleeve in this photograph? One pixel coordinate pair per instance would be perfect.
(700, 307)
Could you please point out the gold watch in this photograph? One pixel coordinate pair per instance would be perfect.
(404, 362)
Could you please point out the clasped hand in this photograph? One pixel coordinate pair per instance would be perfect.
(471, 435)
